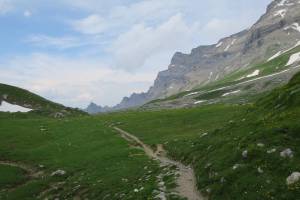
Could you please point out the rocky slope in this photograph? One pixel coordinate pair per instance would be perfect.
(94, 109)
(277, 30)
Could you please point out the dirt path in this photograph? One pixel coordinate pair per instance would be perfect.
(186, 181)
(32, 173)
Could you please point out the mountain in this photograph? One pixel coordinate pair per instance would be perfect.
(94, 109)
(275, 32)
(240, 87)
(18, 99)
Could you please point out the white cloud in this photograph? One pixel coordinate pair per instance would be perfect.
(133, 48)
(141, 37)
(217, 28)
(27, 13)
(118, 16)
(5, 6)
(72, 81)
(93, 24)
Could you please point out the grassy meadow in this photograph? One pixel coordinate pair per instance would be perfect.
(234, 149)
(97, 162)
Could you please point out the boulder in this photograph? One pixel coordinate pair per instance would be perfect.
(293, 178)
(287, 153)
(58, 173)
(245, 154)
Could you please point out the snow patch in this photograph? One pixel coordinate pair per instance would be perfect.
(294, 26)
(210, 76)
(7, 107)
(293, 59)
(217, 77)
(228, 46)
(190, 94)
(284, 3)
(280, 13)
(219, 44)
(275, 56)
(282, 52)
(198, 102)
(281, 3)
(255, 73)
(230, 93)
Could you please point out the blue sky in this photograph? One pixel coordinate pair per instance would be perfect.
(78, 51)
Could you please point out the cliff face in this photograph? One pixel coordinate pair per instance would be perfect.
(277, 30)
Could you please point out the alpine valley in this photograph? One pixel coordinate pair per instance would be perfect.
(221, 123)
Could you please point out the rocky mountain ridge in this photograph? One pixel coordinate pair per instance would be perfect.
(277, 30)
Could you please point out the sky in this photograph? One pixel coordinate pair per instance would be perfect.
(78, 51)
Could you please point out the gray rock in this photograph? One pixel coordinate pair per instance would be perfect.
(260, 145)
(236, 166)
(59, 115)
(293, 178)
(94, 109)
(287, 153)
(260, 170)
(245, 154)
(58, 173)
(271, 151)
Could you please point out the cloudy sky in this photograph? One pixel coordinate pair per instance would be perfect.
(78, 51)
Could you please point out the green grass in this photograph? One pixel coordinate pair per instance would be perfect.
(10, 176)
(97, 160)
(40, 105)
(99, 164)
(212, 139)
(158, 127)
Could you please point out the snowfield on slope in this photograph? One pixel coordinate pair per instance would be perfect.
(293, 59)
(230, 93)
(255, 73)
(7, 107)
(282, 52)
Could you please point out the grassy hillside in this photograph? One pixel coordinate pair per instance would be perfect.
(238, 151)
(97, 162)
(18, 96)
(234, 149)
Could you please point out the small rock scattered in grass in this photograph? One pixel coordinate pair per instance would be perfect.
(58, 173)
(203, 135)
(125, 180)
(208, 190)
(208, 165)
(222, 180)
(287, 153)
(236, 166)
(271, 151)
(260, 170)
(260, 145)
(293, 178)
(161, 183)
(245, 154)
